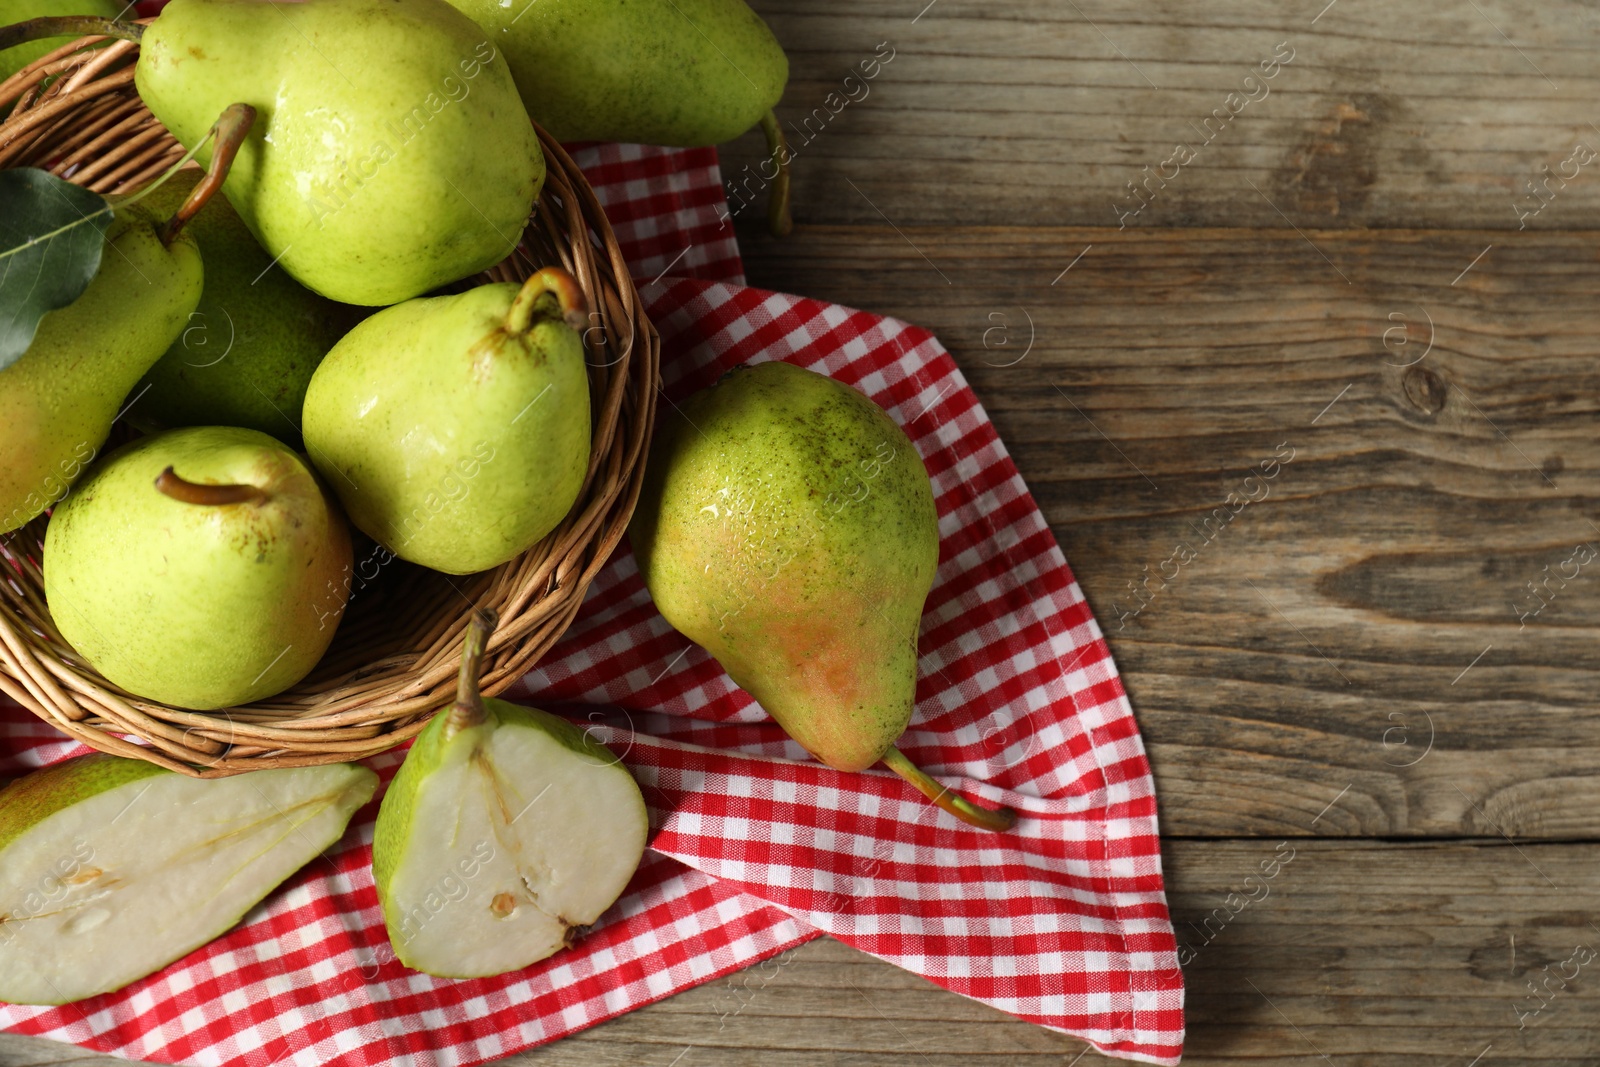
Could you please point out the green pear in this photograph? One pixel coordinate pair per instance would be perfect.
(57, 402)
(14, 11)
(668, 72)
(247, 354)
(392, 154)
(787, 526)
(201, 568)
(455, 429)
(504, 831)
(112, 868)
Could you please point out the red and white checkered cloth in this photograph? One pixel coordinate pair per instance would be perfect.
(755, 847)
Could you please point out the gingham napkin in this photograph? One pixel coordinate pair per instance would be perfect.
(755, 847)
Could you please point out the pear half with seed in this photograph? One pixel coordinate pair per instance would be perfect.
(112, 868)
(505, 830)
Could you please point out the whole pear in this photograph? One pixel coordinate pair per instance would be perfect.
(251, 345)
(202, 567)
(111, 868)
(505, 830)
(57, 402)
(455, 429)
(392, 154)
(787, 526)
(669, 72)
(14, 11)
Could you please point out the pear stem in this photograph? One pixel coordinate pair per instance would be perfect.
(68, 26)
(983, 818)
(779, 221)
(230, 130)
(214, 496)
(556, 282)
(468, 710)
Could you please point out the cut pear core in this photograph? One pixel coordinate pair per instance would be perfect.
(106, 890)
(516, 839)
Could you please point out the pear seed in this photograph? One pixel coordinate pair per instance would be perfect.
(86, 920)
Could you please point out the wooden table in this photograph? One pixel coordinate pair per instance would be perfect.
(1357, 663)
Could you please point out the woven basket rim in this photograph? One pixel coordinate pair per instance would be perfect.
(76, 114)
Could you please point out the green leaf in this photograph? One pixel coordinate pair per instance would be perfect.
(51, 236)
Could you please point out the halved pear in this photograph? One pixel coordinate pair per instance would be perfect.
(505, 830)
(112, 868)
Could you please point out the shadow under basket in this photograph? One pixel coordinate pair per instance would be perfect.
(394, 660)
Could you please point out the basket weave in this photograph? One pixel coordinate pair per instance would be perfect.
(394, 659)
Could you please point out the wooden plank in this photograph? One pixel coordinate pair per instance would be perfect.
(1310, 645)
(1017, 112)
(1366, 953)
(1418, 503)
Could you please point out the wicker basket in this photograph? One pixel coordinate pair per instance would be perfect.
(395, 657)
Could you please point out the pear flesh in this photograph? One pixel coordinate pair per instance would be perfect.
(58, 401)
(505, 830)
(199, 605)
(392, 154)
(515, 836)
(455, 429)
(112, 868)
(669, 72)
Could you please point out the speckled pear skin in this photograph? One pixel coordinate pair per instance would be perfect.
(33, 798)
(787, 525)
(58, 401)
(390, 153)
(668, 72)
(199, 606)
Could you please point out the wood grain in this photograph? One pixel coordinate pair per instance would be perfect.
(1322, 634)
(1342, 657)
(1022, 113)
(1415, 508)
(1367, 953)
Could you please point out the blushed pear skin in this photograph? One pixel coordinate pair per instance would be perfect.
(788, 526)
